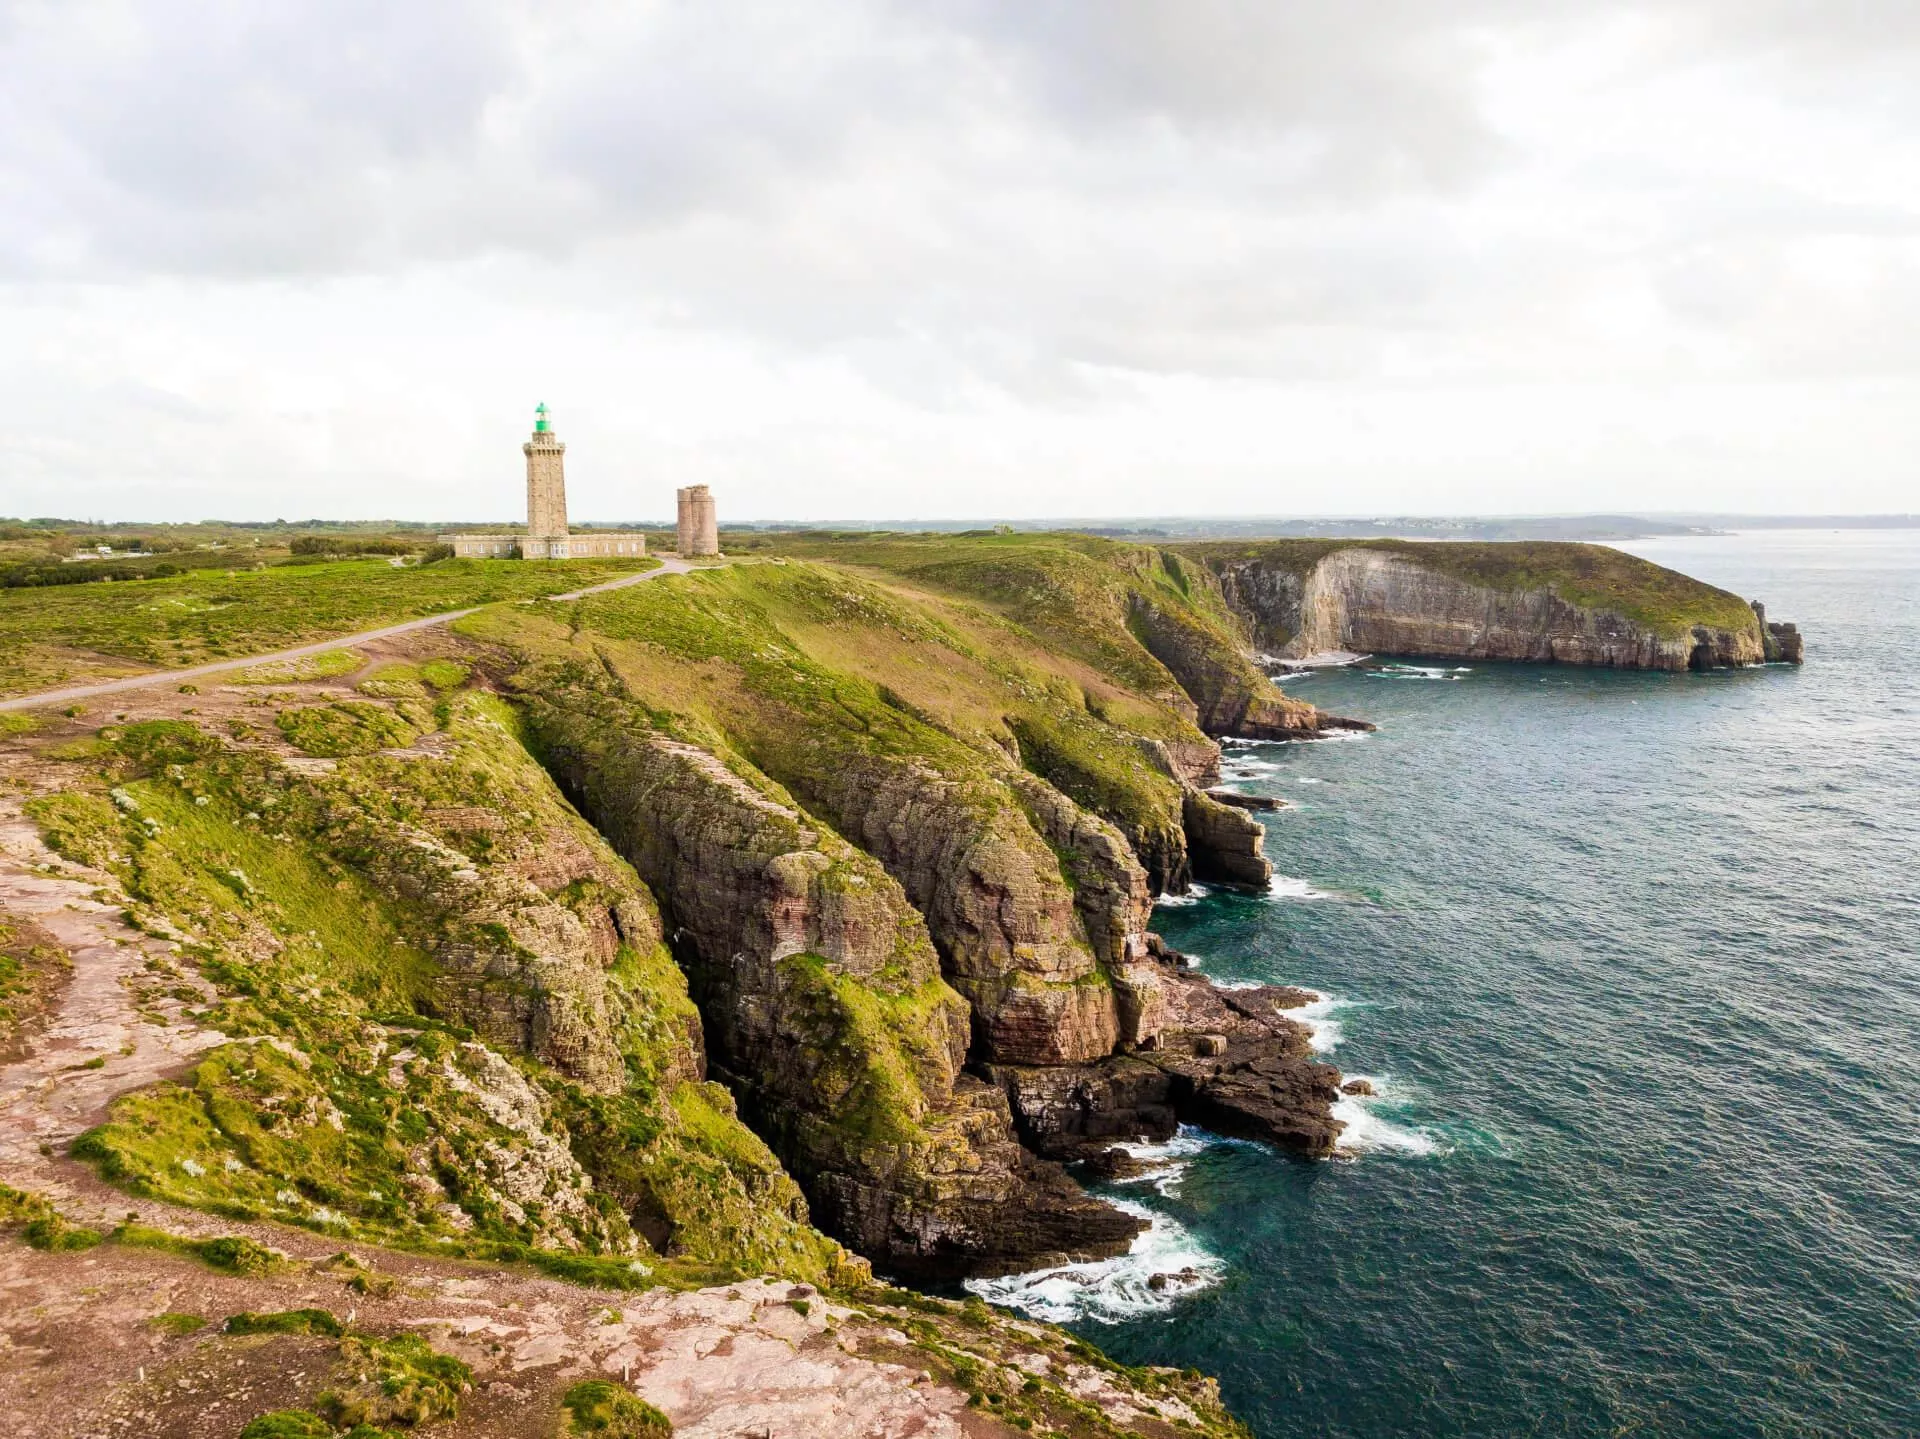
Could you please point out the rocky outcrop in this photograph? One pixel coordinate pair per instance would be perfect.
(1298, 602)
(527, 938)
(825, 1008)
(1782, 641)
(1224, 843)
(1228, 1060)
(1029, 899)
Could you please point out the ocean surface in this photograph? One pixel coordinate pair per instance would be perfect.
(1635, 962)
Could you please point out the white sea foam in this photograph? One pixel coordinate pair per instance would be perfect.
(1366, 1130)
(1323, 1030)
(1285, 886)
(1420, 672)
(1112, 1290)
(1340, 736)
(1307, 779)
(1242, 767)
(1194, 894)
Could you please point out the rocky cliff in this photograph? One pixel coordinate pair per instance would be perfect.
(835, 741)
(1538, 602)
(825, 1006)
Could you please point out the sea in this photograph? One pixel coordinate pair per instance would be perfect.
(1633, 961)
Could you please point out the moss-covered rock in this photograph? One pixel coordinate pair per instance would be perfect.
(433, 968)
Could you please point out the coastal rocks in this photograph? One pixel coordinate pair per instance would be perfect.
(1228, 1060)
(1782, 641)
(1259, 803)
(1223, 843)
(1302, 599)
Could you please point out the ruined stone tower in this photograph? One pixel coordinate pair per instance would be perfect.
(699, 531)
(546, 489)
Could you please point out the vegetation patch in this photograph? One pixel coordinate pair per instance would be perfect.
(178, 1324)
(51, 1232)
(53, 636)
(229, 1253)
(285, 1321)
(400, 1380)
(327, 665)
(345, 727)
(600, 1408)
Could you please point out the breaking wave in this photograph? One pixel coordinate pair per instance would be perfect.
(1366, 1130)
(1110, 1291)
(1418, 672)
(1285, 886)
(1193, 895)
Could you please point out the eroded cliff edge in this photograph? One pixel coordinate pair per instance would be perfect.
(897, 846)
(1540, 602)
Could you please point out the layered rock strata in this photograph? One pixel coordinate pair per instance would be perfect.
(1388, 601)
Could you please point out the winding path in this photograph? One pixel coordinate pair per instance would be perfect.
(72, 694)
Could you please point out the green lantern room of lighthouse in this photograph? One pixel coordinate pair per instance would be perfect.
(540, 425)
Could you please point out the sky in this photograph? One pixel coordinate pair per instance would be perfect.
(939, 259)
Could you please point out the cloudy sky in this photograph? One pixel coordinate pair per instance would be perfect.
(960, 258)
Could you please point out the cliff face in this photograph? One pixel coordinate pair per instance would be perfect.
(826, 1010)
(1569, 604)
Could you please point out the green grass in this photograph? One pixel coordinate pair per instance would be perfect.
(229, 1253)
(399, 1380)
(285, 1321)
(345, 727)
(599, 1408)
(327, 665)
(178, 1324)
(289, 1424)
(50, 637)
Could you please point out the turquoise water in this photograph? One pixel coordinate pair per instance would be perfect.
(1636, 962)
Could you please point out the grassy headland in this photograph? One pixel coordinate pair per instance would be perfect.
(54, 636)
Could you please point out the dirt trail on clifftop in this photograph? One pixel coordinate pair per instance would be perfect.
(76, 693)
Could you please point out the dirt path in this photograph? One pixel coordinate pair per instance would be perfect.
(75, 693)
(117, 1023)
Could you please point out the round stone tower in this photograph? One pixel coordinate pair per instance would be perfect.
(699, 531)
(546, 489)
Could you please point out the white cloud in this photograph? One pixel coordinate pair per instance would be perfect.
(1015, 257)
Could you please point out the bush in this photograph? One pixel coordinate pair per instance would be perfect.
(596, 1406)
(54, 1233)
(286, 1321)
(401, 1380)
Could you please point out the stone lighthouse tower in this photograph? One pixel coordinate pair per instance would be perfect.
(546, 491)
